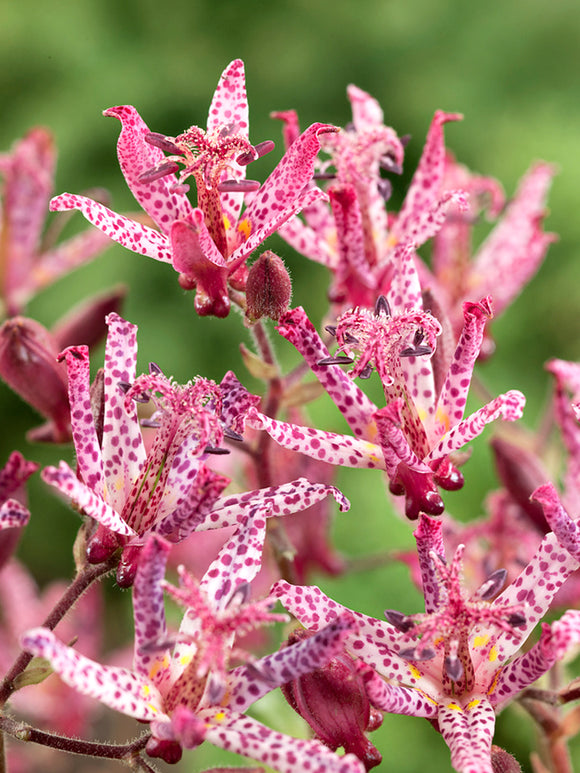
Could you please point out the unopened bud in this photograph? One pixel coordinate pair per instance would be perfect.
(268, 288)
(334, 702)
(28, 365)
(85, 324)
(503, 762)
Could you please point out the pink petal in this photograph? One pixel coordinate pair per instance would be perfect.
(325, 446)
(287, 181)
(230, 105)
(118, 688)
(366, 111)
(476, 723)
(13, 515)
(395, 699)
(517, 246)
(238, 733)
(136, 157)
(238, 561)
(351, 401)
(453, 397)
(150, 659)
(249, 683)
(425, 188)
(131, 234)
(428, 536)
(64, 479)
(508, 407)
(123, 447)
(89, 459)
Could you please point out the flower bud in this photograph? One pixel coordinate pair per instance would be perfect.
(334, 702)
(28, 365)
(268, 288)
(503, 762)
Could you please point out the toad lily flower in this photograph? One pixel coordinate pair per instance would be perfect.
(422, 425)
(356, 238)
(514, 249)
(168, 489)
(28, 263)
(209, 244)
(458, 663)
(184, 688)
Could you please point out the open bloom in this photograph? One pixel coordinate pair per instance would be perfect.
(423, 422)
(355, 237)
(208, 244)
(514, 250)
(457, 664)
(184, 687)
(27, 262)
(168, 489)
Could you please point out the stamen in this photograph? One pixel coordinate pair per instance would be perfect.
(238, 186)
(324, 176)
(179, 188)
(492, 585)
(258, 151)
(124, 386)
(168, 167)
(405, 139)
(341, 359)
(331, 329)
(517, 619)
(228, 129)
(232, 434)
(367, 371)
(400, 621)
(382, 306)
(389, 164)
(154, 369)
(385, 189)
(150, 423)
(350, 339)
(240, 595)
(418, 351)
(159, 140)
(216, 450)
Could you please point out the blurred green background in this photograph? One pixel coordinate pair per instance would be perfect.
(510, 67)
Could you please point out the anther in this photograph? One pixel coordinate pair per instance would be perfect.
(400, 621)
(382, 307)
(453, 667)
(331, 329)
(367, 371)
(385, 189)
(216, 450)
(238, 186)
(389, 164)
(341, 359)
(154, 369)
(517, 619)
(492, 585)
(417, 654)
(168, 167)
(232, 434)
(164, 143)
(258, 151)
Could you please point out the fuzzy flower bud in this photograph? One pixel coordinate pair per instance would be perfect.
(268, 288)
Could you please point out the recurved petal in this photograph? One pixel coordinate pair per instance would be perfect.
(238, 561)
(555, 641)
(64, 479)
(425, 189)
(238, 733)
(292, 497)
(118, 688)
(137, 156)
(13, 515)
(508, 407)
(451, 402)
(131, 234)
(288, 180)
(375, 641)
(249, 683)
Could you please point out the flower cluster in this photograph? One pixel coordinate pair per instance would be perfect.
(158, 463)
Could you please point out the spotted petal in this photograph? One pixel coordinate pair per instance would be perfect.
(131, 234)
(238, 733)
(118, 688)
(13, 515)
(248, 684)
(468, 732)
(137, 156)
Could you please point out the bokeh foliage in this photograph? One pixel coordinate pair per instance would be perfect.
(510, 67)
